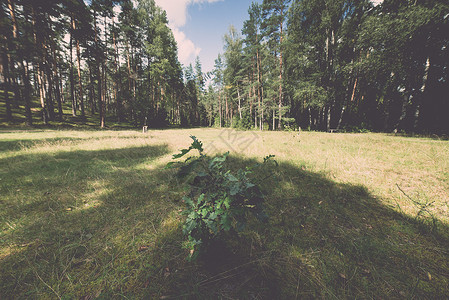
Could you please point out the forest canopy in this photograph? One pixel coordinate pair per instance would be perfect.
(317, 64)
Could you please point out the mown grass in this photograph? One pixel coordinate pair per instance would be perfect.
(94, 214)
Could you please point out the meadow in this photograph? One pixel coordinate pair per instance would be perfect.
(96, 215)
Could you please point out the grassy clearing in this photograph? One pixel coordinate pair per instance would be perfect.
(94, 214)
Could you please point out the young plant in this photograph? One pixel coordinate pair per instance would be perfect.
(218, 200)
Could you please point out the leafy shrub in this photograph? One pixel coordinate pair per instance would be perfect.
(242, 123)
(218, 200)
(217, 121)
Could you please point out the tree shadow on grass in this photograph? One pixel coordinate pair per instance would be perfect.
(19, 144)
(323, 240)
(60, 210)
(93, 224)
(14, 145)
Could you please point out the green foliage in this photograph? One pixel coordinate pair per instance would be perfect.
(242, 123)
(218, 200)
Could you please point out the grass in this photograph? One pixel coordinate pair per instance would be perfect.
(94, 214)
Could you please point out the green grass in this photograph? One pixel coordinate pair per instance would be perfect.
(94, 214)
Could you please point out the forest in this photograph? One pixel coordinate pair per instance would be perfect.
(316, 64)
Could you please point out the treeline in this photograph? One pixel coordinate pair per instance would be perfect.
(336, 64)
(108, 58)
(318, 64)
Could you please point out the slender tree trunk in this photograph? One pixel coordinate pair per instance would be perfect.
(421, 95)
(259, 89)
(227, 109)
(7, 83)
(238, 96)
(280, 74)
(117, 79)
(51, 110)
(219, 108)
(80, 81)
(12, 78)
(91, 90)
(72, 85)
(310, 117)
(255, 112)
(328, 120)
(57, 84)
(407, 98)
(27, 93)
(343, 108)
(99, 78)
(106, 99)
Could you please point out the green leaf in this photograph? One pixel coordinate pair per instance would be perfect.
(187, 201)
(170, 165)
(200, 199)
(183, 152)
(225, 222)
(227, 202)
(231, 177)
(234, 189)
(196, 144)
(188, 227)
(213, 215)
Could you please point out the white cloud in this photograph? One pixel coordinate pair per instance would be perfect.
(177, 15)
(187, 51)
(177, 10)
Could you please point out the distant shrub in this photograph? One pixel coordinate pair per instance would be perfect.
(217, 121)
(243, 123)
(218, 199)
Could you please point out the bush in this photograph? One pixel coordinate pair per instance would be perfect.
(218, 200)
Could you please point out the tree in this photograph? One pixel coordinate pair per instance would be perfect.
(274, 16)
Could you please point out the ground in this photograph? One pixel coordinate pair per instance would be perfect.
(95, 214)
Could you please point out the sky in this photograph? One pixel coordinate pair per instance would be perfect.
(199, 26)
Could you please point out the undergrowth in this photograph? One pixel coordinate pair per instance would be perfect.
(218, 199)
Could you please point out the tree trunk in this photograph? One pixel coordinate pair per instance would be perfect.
(117, 85)
(91, 89)
(39, 68)
(7, 83)
(51, 110)
(238, 96)
(72, 86)
(343, 108)
(259, 89)
(280, 75)
(227, 109)
(57, 84)
(27, 94)
(23, 67)
(310, 117)
(99, 78)
(220, 108)
(421, 95)
(80, 82)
